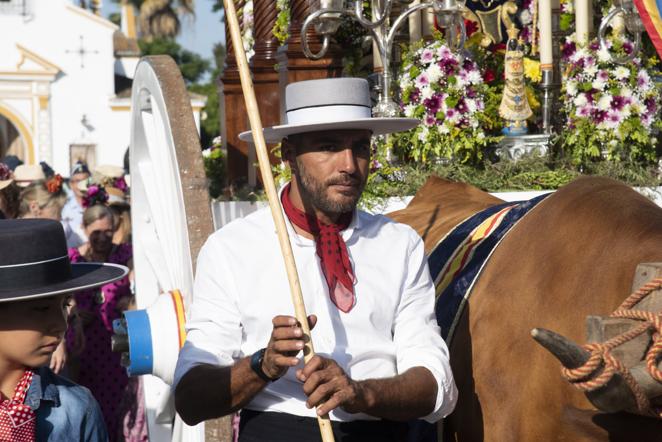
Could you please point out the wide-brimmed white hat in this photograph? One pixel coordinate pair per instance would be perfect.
(26, 174)
(330, 104)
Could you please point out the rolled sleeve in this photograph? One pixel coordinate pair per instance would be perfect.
(213, 326)
(416, 334)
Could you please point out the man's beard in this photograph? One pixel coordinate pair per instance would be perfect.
(314, 192)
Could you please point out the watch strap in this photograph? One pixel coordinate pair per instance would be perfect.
(256, 365)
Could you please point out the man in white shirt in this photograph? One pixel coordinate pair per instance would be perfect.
(380, 360)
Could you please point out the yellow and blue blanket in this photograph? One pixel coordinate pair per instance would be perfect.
(458, 259)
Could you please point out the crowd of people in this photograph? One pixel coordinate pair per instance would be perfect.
(93, 207)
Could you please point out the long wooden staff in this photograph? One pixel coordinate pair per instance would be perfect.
(272, 195)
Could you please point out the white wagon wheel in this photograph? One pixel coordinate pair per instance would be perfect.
(171, 219)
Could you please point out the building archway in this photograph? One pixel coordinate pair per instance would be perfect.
(15, 137)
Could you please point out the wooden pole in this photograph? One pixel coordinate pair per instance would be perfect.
(272, 195)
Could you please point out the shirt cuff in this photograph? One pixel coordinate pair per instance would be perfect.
(446, 392)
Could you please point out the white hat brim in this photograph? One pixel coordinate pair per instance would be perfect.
(378, 126)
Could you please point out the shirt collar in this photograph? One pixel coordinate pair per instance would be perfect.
(42, 388)
(346, 234)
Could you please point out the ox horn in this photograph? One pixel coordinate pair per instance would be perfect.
(615, 396)
(567, 352)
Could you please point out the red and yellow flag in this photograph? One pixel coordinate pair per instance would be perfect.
(651, 15)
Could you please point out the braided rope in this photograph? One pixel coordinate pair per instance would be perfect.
(588, 377)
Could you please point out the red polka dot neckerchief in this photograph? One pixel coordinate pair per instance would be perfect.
(331, 249)
(18, 423)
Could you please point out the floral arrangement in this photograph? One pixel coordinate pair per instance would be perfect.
(95, 194)
(54, 184)
(448, 93)
(611, 109)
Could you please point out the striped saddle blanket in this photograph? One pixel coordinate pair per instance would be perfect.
(457, 260)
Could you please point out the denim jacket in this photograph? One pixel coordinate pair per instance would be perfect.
(65, 411)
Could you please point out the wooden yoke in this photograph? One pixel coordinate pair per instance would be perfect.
(270, 189)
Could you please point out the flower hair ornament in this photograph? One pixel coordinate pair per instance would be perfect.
(54, 184)
(95, 194)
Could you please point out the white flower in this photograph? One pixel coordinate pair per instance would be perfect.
(481, 135)
(591, 69)
(423, 134)
(409, 110)
(426, 92)
(525, 17)
(603, 54)
(217, 141)
(474, 77)
(599, 84)
(471, 105)
(579, 54)
(621, 73)
(434, 73)
(443, 129)
(604, 103)
(571, 87)
(626, 92)
(206, 153)
(580, 100)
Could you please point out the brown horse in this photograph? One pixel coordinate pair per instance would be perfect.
(573, 255)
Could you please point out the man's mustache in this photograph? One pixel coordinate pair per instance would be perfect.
(346, 180)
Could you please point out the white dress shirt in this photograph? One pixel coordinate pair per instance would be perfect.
(241, 284)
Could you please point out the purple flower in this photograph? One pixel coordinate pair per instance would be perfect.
(603, 75)
(599, 116)
(433, 104)
(450, 113)
(628, 47)
(568, 49)
(594, 46)
(415, 95)
(430, 120)
(470, 93)
(92, 190)
(617, 102)
(120, 183)
(651, 106)
(462, 106)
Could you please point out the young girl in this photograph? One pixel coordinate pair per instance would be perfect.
(37, 277)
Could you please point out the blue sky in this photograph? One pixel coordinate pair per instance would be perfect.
(199, 33)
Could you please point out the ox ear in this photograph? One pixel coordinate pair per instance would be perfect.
(567, 352)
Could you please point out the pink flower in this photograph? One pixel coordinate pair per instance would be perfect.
(422, 80)
(427, 56)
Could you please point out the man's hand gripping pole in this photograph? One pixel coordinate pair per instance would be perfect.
(272, 195)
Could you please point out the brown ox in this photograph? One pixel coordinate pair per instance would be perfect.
(574, 255)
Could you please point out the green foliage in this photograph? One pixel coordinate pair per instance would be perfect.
(192, 65)
(281, 29)
(214, 161)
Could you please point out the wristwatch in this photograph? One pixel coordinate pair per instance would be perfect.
(256, 365)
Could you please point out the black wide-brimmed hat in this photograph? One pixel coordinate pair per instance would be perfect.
(34, 262)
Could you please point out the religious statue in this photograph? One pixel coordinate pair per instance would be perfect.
(514, 106)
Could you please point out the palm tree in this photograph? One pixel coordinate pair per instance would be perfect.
(161, 18)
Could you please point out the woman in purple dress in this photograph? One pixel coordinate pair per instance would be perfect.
(90, 359)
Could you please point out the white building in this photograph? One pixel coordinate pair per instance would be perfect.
(65, 78)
